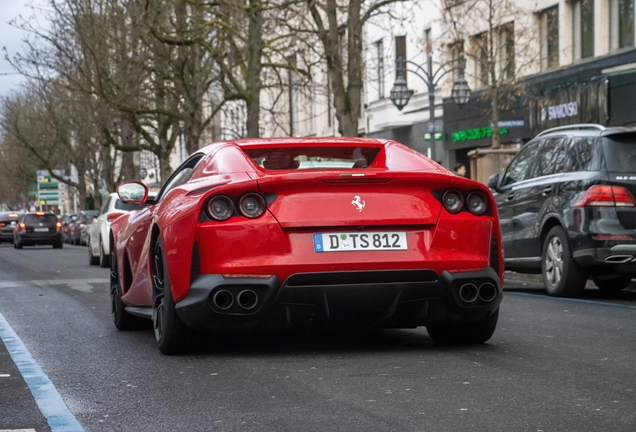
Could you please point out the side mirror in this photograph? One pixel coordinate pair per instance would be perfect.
(493, 181)
(133, 192)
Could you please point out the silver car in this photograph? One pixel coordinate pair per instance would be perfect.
(98, 246)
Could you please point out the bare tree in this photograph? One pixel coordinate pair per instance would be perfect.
(499, 38)
(338, 25)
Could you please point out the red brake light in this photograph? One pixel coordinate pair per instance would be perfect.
(606, 196)
(13, 215)
(58, 225)
(39, 213)
(111, 217)
(22, 226)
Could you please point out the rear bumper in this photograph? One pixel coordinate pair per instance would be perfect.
(39, 238)
(619, 259)
(315, 301)
(6, 236)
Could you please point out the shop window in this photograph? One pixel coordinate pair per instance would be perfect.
(583, 28)
(549, 22)
(621, 24)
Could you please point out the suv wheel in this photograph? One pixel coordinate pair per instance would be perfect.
(561, 275)
(612, 284)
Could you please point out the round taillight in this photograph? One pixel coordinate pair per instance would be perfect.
(220, 208)
(477, 203)
(453, 201)
(251, 205)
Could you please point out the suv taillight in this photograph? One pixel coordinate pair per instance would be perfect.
(58, 226)
(606, 196)
(22, 226)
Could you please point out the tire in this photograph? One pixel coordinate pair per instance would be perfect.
(58, 245)
(104, 260)
(171, 334)
(562, 277)
(612, 284)
(18, 245)
(122, 319)
(92, 260)
(472, 333)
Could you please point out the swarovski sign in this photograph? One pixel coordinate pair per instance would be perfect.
(554, 112)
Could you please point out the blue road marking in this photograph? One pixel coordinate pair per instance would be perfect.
(49, 401)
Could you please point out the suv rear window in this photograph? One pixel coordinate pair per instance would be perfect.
(46, 218)
(582, 154)
(620, 152)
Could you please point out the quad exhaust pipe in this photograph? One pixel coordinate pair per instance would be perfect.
(224, 299)
(486, 292)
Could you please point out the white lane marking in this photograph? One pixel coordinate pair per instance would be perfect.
(46, 396)
(17, 430)
(84, 285)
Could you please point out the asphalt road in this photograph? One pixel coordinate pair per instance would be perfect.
(552, 365)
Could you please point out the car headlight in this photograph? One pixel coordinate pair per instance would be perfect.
(477, 203)
(220, 208)
(251, 205)
(453, 201)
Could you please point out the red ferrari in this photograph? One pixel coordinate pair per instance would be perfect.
(307, 234)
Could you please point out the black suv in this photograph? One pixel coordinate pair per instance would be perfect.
(567, 209)
(38, 228)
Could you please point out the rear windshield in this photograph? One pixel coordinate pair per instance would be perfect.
(120, 205)
(620, 152)
(5, 217)
(281, 158)
(46, 218)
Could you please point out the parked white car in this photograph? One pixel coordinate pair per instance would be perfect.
(98, 245)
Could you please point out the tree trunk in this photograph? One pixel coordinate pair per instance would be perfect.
(254, 67)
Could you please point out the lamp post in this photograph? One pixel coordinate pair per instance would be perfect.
(401, 94)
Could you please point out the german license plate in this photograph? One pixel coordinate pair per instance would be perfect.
(360, 241)
(41, 229)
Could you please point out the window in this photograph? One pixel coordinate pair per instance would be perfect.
(549, 22)
(621, 24)
(400, 51)
(456, 51)
(520, 165)
(379, 49)
(551, 157)
(479, 47)
(583, 29)
(507, 50)
(583, 154)
(428, 42)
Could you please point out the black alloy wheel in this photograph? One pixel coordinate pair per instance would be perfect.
(122, 319)
(464, 334)
(171, 333)
(561, 275)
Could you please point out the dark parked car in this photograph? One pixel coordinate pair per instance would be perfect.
(75, 225)
(7, 221)
(567, 209)
(38, 228)
(67, 219)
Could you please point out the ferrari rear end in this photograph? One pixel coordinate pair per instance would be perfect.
(345, 233)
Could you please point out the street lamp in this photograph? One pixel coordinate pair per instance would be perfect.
(401, 94)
